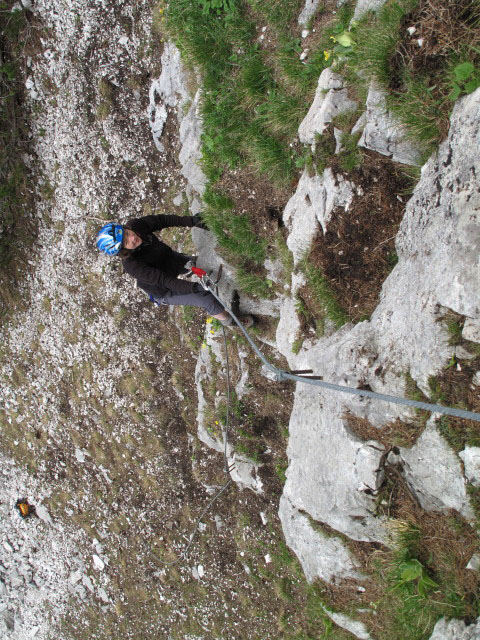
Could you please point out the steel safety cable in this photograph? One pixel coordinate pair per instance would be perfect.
(286, 375)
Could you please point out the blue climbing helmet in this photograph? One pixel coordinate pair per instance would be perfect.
(110, 238)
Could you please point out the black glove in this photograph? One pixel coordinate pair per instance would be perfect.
(198, 222)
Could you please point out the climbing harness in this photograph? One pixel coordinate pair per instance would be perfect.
(299, 376)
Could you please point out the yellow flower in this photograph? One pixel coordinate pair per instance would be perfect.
(333, 38)
(209, 320)
(212, 331)
(327, 54)
(216, 421)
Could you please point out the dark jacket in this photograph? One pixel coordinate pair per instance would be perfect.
(154, 264)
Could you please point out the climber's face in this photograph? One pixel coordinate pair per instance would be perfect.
(131, 240)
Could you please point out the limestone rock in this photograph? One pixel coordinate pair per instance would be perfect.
(321, 556)
(190, 153)
(330, 101)
(312, 204)
(167, 90)
(471, 330)
(308, 11)
(363, 6)
(434, 473)
(438, 246)
(383, 134)
(455, 630)
(471, 461)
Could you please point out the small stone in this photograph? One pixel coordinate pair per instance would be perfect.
(462, 353)
(305, 33)
(474, 562)
(88, 583)
(411, 30)
(8, 547)
(43, 514)
(102, 594)
(201, 571)
(80, 455)
(98, 563)
(268, 558)
(420, 42)
(471, 330)
(476, 379)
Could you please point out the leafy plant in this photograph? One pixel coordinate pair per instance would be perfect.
(216, 6)
(414, 571)
(465, 79)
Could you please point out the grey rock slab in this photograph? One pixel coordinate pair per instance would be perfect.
(455, 630)
(471, 330)
(308, 11)
(330, 101)
(360, 124)
(363, 6)
(312, 204)
(471, 462)
(190, 152)
(438, 245)
(319, 447)
(171, 84)
(168, 90)
(322, 556)
(382, 133)
(433, 471)
(355, 627)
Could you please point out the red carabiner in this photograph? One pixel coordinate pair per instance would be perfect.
(199, 272)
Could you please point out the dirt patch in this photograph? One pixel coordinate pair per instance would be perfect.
(397, 433)
(358, 251)
(431, 38)
(257, 198)
(442, 28)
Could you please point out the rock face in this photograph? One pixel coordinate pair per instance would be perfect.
(363, 6)
(330, 100)
(320, 555)
(434, 471)
(438, 269)
(167, 91)
(308, 11)
(471, 461)
(455, 630)
(383, 134)
(312, 205)
(244, 472)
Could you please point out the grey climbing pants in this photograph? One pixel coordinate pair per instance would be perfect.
(202, 299)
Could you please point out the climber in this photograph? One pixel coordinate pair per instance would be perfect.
(156, 267)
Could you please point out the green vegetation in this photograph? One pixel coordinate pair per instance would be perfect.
(418, 93)
(421, 584)
(322, 293)
(13, 173)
